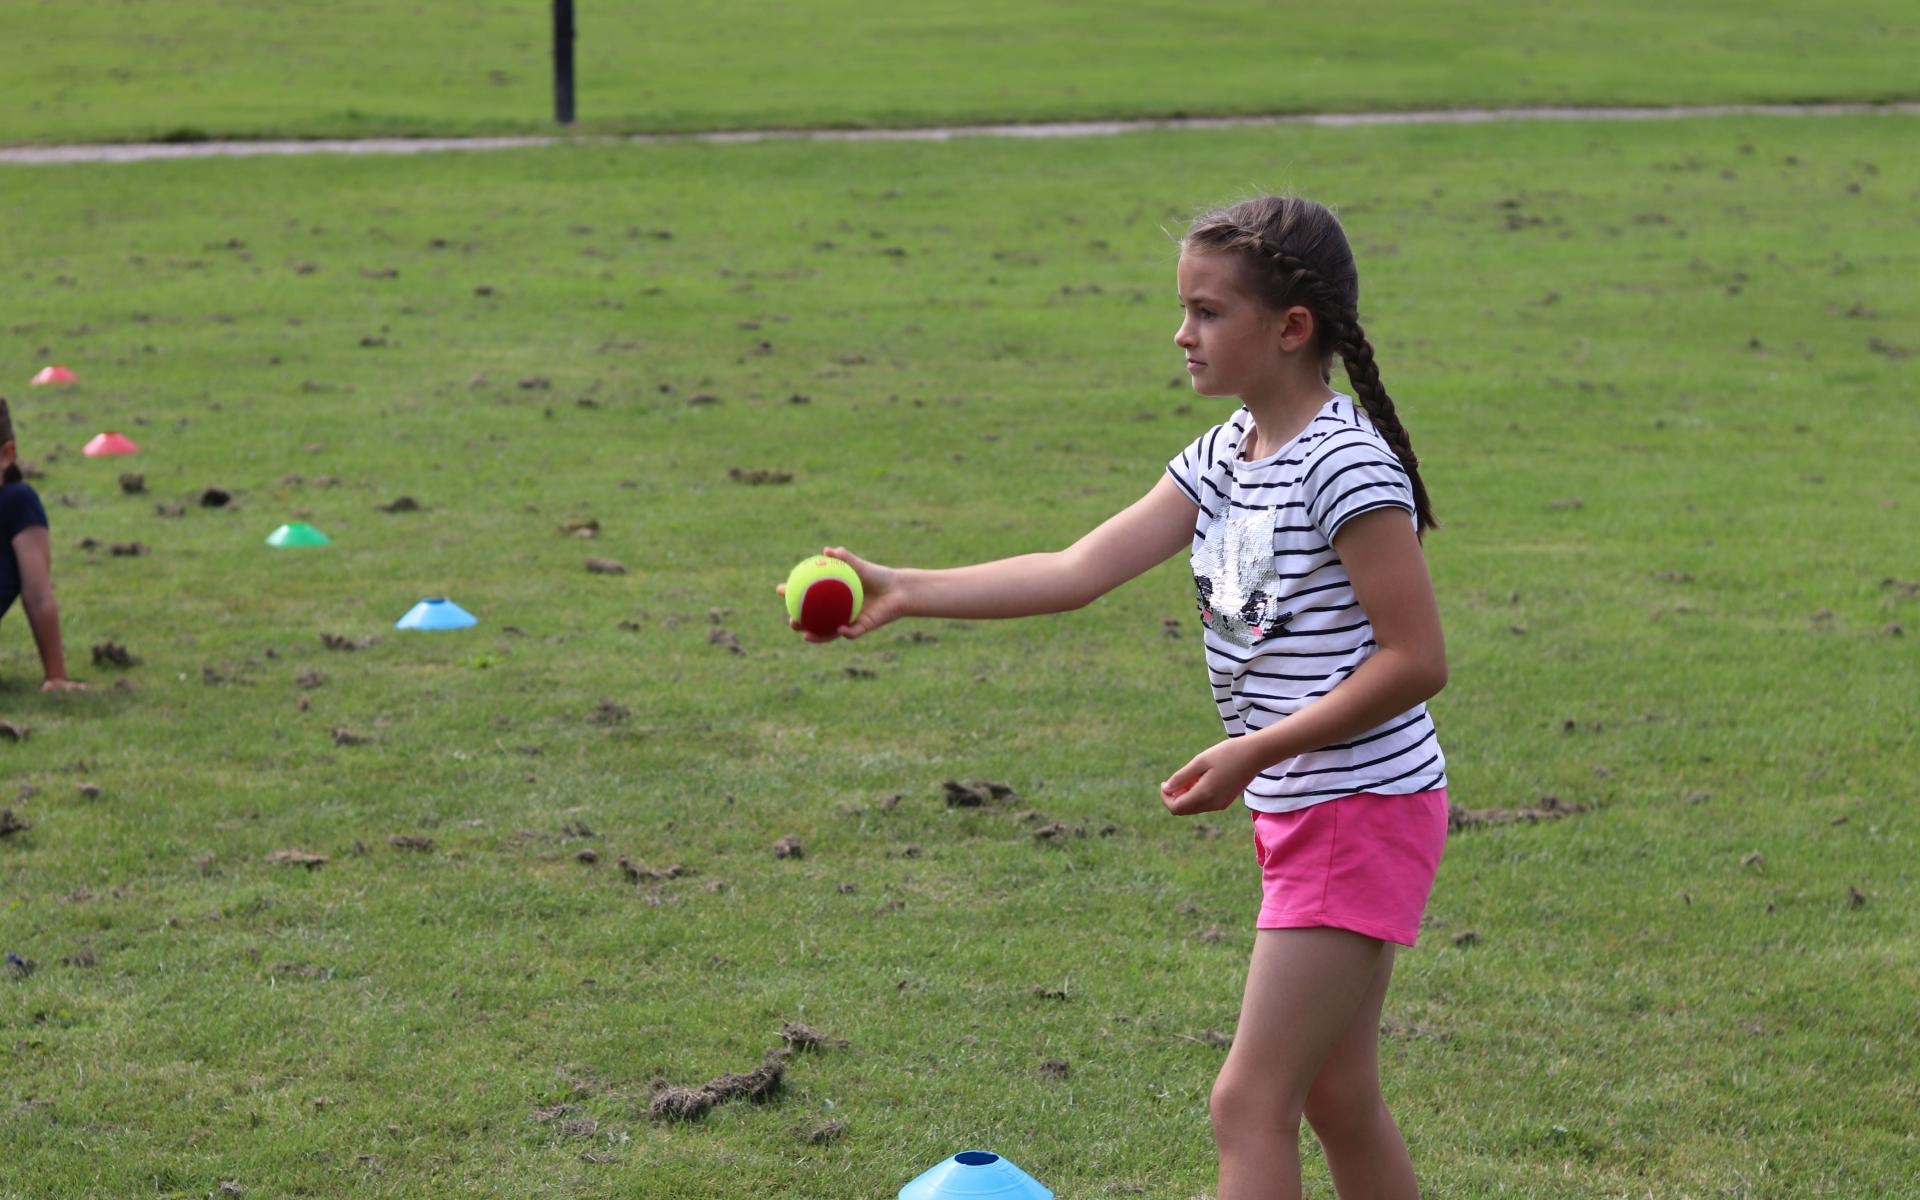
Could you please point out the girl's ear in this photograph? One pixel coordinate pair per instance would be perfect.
(1296, 328)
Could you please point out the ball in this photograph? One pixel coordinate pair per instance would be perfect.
(823, 594)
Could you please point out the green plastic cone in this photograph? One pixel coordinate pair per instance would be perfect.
(297, 533)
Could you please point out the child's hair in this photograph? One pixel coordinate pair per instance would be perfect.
(1294, 252)
(12, 474)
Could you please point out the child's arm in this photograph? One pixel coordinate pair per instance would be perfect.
(1141, 536)
(1409, 666)
(33, 550)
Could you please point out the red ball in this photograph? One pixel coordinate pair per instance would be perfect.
(825, 606)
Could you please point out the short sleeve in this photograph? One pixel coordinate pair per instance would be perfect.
(1189, 467)
(20, 509)
(1354, 474)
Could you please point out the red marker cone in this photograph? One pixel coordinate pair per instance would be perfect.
(109, 443)
(54, 375)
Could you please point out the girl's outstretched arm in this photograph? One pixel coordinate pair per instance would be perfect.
(33, 550)
(1141, 536)
(1382, 557)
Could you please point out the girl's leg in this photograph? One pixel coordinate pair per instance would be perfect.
(1364, 1150)
(1305, 990)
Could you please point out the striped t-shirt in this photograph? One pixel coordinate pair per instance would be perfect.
(1282, 624)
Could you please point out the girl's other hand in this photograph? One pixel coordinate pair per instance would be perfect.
(882, 597)
(1211, 780)
(62, 685)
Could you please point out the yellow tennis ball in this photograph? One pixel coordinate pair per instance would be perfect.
(823, 594)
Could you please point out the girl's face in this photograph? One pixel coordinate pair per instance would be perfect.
(1235, 344)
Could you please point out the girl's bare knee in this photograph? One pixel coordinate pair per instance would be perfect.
(1244, 1109)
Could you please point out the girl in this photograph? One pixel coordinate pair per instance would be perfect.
(26, 558)
(1303, 514)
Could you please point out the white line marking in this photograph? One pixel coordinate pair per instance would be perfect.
(147, 152)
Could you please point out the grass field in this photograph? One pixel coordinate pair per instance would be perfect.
(86, 70)
(1661, 382)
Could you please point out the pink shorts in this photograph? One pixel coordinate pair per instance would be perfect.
(1363, 862)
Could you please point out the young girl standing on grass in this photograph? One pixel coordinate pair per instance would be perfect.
(1303, 513)
(26, 558)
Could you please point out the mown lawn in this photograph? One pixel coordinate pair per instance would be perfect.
(1661, 380)
(132, 70)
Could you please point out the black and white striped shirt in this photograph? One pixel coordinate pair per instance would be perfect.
(1283, 627)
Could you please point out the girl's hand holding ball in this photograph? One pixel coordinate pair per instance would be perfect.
(839, 594)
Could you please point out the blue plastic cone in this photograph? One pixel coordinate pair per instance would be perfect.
(975, 1173)
(436, 612)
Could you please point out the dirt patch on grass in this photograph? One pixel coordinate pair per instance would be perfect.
(1208, 1037)
(297, 858)
(1550, 808)
(605, 566)
(112, 654)
(759, 476)
(757, 1086)
(411, 841)
(977, 794)
(340, 641)
(10, 824)
(819, 1133)
(635, 873)
(804, 1038)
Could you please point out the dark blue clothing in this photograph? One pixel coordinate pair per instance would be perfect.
(20, 510)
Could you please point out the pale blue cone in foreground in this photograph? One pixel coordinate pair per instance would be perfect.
(436, 612)
(975, 1173)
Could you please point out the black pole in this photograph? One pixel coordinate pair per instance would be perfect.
(563, 61)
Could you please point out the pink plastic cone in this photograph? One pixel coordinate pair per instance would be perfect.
(54, 375)
(109, 443)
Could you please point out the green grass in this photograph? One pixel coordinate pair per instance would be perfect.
(94, 70)
(1660, 380)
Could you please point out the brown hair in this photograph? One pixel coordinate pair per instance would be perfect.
(1293, 251)
(12, 474)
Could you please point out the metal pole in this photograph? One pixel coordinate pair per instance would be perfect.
(563, 61)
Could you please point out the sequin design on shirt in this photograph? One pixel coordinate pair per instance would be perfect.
(1235, 584)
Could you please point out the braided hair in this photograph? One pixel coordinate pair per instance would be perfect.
(1294, 252)
(12, 474)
